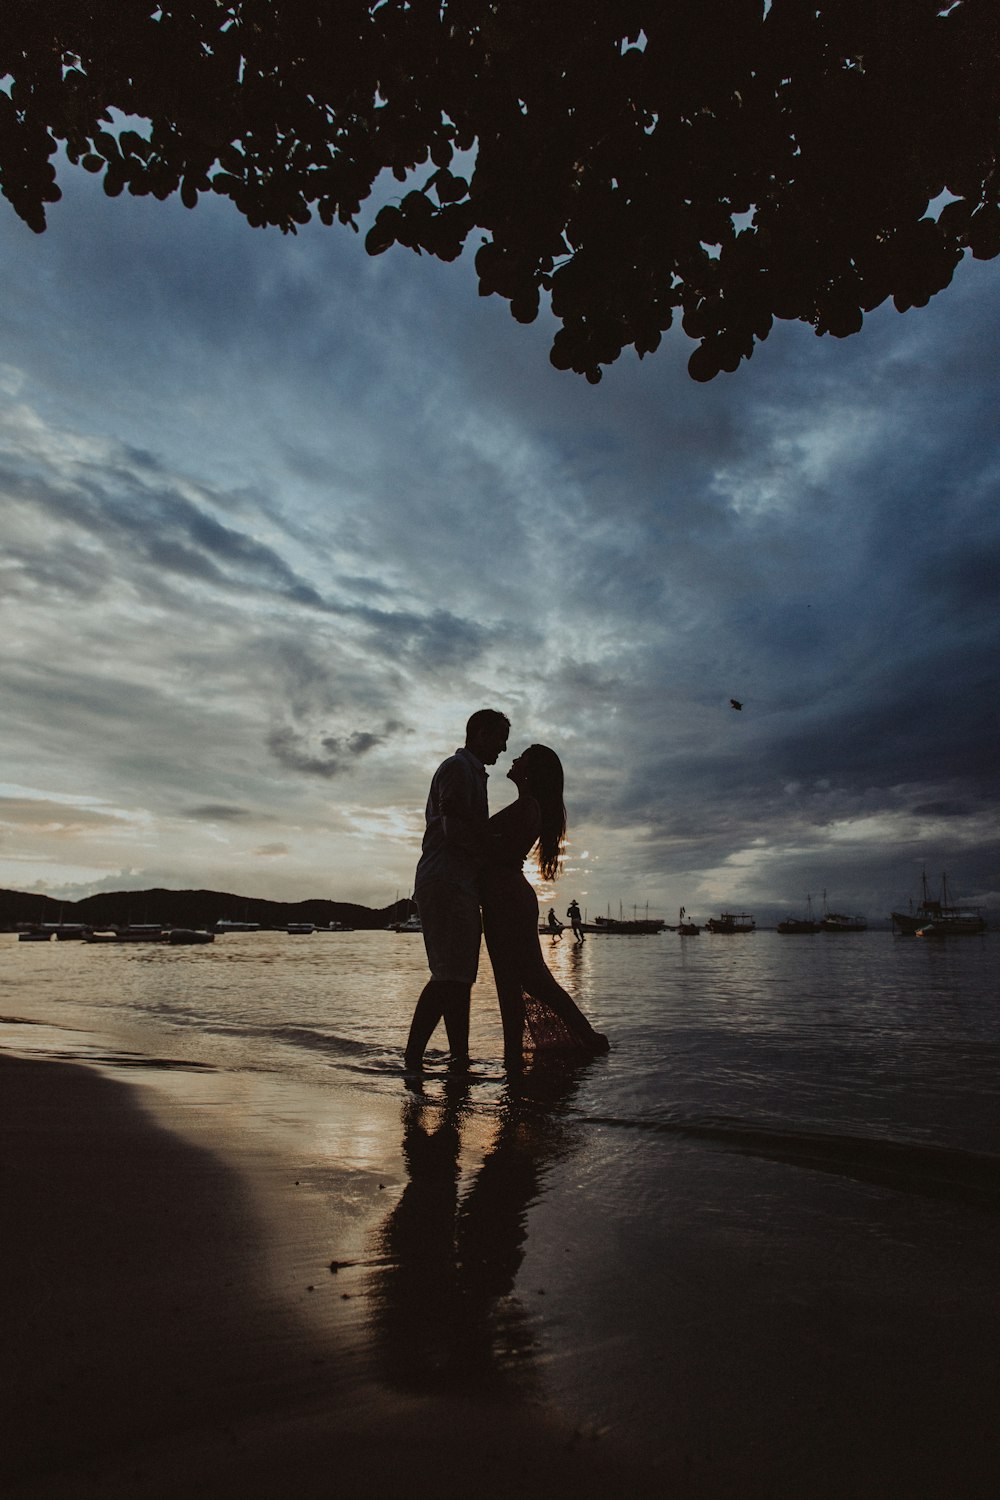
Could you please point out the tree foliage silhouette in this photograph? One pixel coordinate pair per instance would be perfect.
(722, 163)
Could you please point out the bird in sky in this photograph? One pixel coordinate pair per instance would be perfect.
(733, 703)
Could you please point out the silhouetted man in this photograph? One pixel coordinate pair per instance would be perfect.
(446, 886)
(576, 921)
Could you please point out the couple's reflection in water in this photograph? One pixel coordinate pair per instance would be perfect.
(442, 1304)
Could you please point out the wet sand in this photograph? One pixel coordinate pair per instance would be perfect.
(171, 1324)
(701, 1292)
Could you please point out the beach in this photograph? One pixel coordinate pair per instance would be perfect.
(751, 1253)
(162, 1338)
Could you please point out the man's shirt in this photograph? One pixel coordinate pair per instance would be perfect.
(458, 795)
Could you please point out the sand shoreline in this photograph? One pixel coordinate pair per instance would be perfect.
(151, 1350)
(527, 1300)
(526, 1267)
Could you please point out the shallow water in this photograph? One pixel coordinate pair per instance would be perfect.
(890, 1040)
(781, 1184)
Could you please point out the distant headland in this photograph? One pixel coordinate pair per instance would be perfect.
(190, 909)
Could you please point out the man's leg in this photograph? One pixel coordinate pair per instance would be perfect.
(456, 1005)
(440, 997)
(452, 928)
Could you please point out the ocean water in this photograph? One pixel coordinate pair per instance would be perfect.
(757, 1243)
(888, 1039)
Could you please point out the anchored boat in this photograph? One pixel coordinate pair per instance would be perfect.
(839, 921)
(732, 922)
(943, 916)
(800, 925)
(625, 926)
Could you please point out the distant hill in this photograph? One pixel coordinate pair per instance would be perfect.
(190, 909)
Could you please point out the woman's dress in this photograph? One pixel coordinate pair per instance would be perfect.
(536, 1011)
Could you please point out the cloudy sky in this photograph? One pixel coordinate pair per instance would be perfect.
(276, 517)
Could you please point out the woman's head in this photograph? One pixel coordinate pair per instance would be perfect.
(538, 771)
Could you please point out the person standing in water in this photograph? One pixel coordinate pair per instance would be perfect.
(576, 921)
(447, 885)
(538, 1015)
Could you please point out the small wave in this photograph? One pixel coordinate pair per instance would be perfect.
(117, 1058)
(168, 1064)
(323, 1041)
(306, 1037)
(908, 1166)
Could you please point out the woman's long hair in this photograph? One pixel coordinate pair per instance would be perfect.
(546, 783)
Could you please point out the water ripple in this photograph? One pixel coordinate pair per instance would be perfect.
(934, 1171)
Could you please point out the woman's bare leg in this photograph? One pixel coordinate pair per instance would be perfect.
(511, 998)
(510, 995)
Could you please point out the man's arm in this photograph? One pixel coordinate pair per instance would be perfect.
(464, 821)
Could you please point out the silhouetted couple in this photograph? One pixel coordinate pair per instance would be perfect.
(470, 882)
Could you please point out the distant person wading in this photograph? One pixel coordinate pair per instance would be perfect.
(576, 920)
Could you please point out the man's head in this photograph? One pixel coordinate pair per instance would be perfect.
(486, 734)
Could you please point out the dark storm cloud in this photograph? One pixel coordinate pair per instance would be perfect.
(945, 810)
(907, 735)
(361, 742)
(436, 641)
(194, 541)
(310, 690)
(128, 507)
(312, 681)
(326, 755)
(856, 760)
(142, 531)
(966, 587)
(221, 812)
(857, 617)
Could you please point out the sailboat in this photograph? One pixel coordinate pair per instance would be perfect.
(838, 921)
(806, 924)
(953, 921)
(627, 926)
(941, 915)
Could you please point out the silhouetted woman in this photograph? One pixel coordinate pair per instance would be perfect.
(536, 1011)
